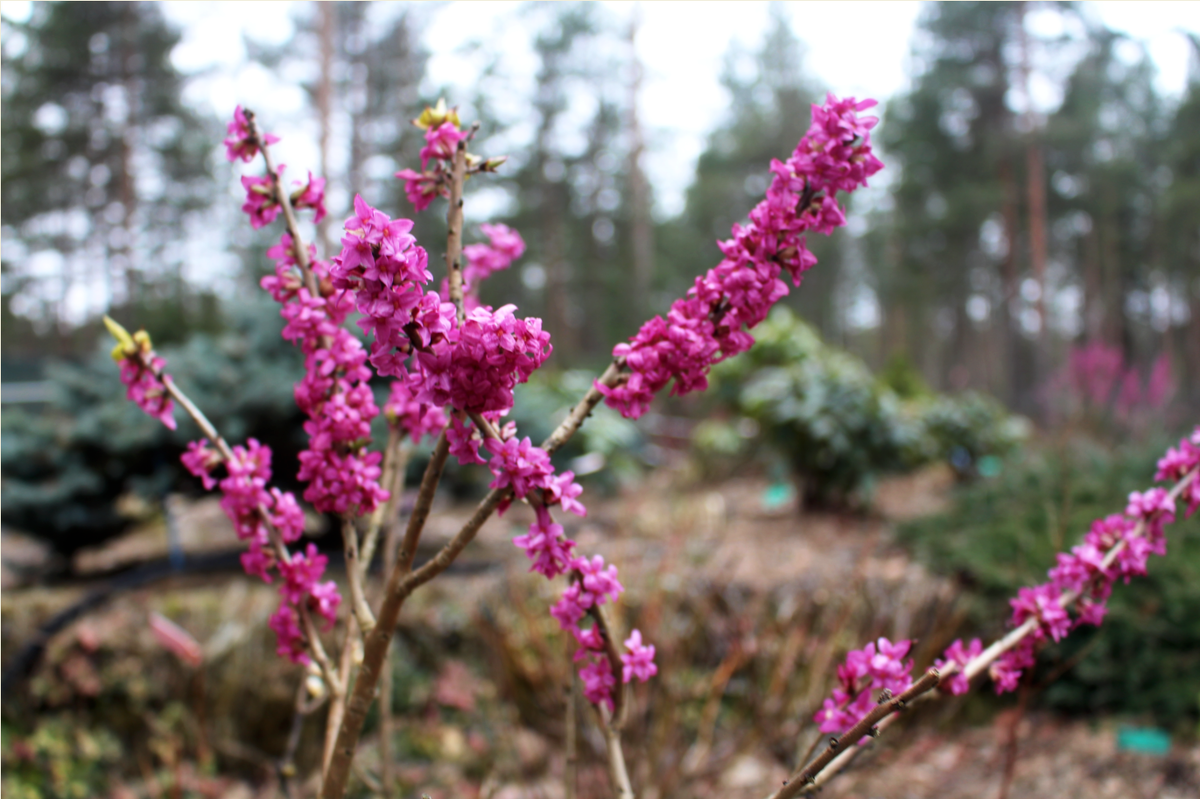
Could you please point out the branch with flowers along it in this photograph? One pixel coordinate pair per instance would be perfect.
(458, 361)
(246, 502)
(1116, 547)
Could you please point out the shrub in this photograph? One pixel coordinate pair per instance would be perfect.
(838, 426)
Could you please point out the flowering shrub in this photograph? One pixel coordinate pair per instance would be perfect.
(456, 363)
(1099, 384)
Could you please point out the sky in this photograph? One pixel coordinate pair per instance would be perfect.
(853, 48)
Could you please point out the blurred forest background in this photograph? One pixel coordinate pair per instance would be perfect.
(1044, 254)
(1023, 266)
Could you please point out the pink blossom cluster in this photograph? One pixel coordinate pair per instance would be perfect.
(1178, 463)
(263, 206)
(145, 385)
(341, 472)
(879, 666)
(592, 585)
(957, 656)
(525, 468)
(710, 323)
(415, 418)
(251, 507)
(472, 367)
(1099, 378)
(240, 143)
(504, 246)
(1082, 572)
(479, 363)
(440, 143)
(383, 269)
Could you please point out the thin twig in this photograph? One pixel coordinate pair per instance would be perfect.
(395, 462)
(865, 726)
(377, 643)
(454, 225)
(608, 632)
(299, 248)
(570, 768)
(337, 700)
(616, 758)
(420, 512)
(354, 576)
(386, 685)
(286, 766)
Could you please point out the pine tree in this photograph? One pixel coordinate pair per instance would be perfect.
(103, 165)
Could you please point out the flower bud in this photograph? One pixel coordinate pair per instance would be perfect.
(432, 117)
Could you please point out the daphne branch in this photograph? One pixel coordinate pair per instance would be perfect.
(277, 542)
(299, 249)
(976, 666)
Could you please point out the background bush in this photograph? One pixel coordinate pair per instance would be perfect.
(836, 425)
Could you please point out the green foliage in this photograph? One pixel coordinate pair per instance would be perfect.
(903, 377)
(837, 425)
(1002, 534)
(59, 760)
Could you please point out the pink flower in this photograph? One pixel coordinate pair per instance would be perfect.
(639, 660)
(600, 582)
(876, 667)
(546, 547)
(563, 489)
(441, 142)
(146, 386)
(287, 516)
(258, 562)
(1178, 461)
(301, 573)
(958, 656)
(422, 187)
(417, 419)
(240, 144)
(261, 203)
(598, 682)
(1149, 503)
(200, 460)
(1005, 676)
(481, 362)
(464, 443)
(324, 599)
(506, 246)
(518, 464)
(572, 607)
(311, 195)
(286, 624)
(1041, 602)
